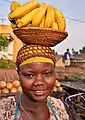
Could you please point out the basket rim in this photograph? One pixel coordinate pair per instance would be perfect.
(38, 28)
(48, 36)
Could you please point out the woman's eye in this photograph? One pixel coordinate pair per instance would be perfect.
(48, 74)
(29, 75)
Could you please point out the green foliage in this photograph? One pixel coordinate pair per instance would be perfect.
(78, 74)
(3, 41)
(74, 52)
(82, 50)
(4, 64)
(12, 65)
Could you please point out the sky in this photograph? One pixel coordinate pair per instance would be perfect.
(74, 12)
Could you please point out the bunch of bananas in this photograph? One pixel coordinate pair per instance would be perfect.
(35, 14)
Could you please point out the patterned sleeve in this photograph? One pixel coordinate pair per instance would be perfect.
(59, 108)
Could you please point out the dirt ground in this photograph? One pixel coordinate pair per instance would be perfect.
(73, 71)
(77, 69)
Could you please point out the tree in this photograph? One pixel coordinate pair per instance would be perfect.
(4, 41)
(74, 52)
(82, 50)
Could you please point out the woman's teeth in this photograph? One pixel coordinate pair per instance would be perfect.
(40, 92)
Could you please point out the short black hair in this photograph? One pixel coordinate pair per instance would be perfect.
(67, 49)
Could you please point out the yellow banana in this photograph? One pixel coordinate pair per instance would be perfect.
(13, 25)
(14, 6)
(24, 9)
(11, 20)
(54, 25)
(60, 20)
(39, 15)
(42, 23)
(17, 21)
(27, 18)
(49, 16)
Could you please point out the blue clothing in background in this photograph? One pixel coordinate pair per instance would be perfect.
(67, 55)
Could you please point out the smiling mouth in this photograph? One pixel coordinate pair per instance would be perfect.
(40, 92)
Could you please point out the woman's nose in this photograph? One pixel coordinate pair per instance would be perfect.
(39, 79)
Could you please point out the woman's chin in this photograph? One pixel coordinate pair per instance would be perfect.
(40, 95)
(39, 98)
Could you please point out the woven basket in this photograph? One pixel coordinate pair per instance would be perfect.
(42, 36)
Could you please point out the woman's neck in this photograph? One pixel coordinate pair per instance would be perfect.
(38, 110)
(29, 104)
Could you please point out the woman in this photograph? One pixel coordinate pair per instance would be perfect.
(35, 66)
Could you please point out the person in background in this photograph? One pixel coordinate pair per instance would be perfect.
(67, 55)
(36, 70)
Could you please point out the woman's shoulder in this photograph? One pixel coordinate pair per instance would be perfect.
(57, 104)
(54, 100)
(59, 108)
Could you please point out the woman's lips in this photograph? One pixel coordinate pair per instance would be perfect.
(39, 92)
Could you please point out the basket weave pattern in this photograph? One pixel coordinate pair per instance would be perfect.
(40, 36)
(29, 51)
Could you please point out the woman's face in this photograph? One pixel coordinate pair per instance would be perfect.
(37, 80)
